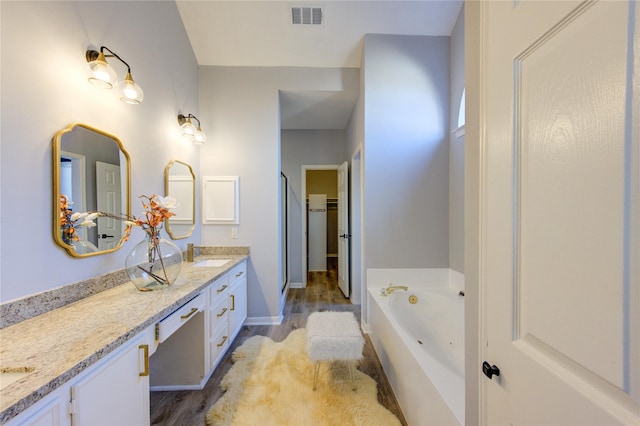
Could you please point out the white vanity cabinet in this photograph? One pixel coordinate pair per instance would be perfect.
(186, 357)
(179, 361)
(237, 299)
(217, 330)
(228, 296)
(50, 410)
(186, 345)
(224, 316)
(116, 390)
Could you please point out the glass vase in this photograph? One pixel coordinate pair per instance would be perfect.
(154, 263)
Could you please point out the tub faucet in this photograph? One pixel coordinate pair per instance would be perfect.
(387, 291)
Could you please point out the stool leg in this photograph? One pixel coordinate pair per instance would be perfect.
(352, 376)
(315, 375)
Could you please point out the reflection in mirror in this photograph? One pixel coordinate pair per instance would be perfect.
(91, 171)
(180, 182)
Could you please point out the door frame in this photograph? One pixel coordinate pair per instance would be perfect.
(356, 221)
(475, 184)
(344, 229)
(284, 232)
(303, 200)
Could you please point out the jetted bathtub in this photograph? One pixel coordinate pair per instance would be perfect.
(418, 335)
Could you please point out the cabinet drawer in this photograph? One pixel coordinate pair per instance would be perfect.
(167, 326)
(219, 314)
(240, 271)
(218, 346)
(218, 290)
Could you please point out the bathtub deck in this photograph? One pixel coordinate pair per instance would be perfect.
(322, 294)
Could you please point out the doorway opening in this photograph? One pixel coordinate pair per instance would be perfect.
(322, 227)
(322, 219)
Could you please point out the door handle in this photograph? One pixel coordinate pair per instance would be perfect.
(345, 236)
(104, 236)
(490, 370)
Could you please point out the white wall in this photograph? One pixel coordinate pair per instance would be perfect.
(298, 148)
(240, 113)
(44, 88)
(456, 151)
(406, 121)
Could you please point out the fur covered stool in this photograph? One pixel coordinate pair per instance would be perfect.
(334, 336)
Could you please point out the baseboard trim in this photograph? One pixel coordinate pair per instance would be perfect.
(296, 285)
(264, 320)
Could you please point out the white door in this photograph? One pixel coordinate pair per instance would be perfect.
(109, 200)
(560, 236)
(343, 228)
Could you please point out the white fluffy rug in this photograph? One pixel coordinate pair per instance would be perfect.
(271, 384)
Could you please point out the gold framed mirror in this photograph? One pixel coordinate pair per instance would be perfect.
(91, 170)
(180, 182)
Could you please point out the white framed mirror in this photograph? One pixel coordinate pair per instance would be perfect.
(91, 172)
(180, 182)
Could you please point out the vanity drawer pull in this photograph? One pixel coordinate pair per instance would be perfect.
(185, 313)
(191, 312)
(222, 312)
(239, 273)
(145, 350)
(221, 289)
(224, 339)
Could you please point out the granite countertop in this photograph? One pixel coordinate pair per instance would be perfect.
(60, 344)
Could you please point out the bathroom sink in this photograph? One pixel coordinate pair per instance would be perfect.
(10, 375)
(212, 263)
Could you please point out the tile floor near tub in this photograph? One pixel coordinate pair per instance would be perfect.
(322, 294)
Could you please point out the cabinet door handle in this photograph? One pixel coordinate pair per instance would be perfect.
(222, 312)
(191, 312)
(145, 350)
(233, 302)
(239, 273)
(221, 289)
(224, 339)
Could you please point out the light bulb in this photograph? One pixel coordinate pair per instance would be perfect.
(129, 91)
(100, 73)
(199, 137)
(188, 129)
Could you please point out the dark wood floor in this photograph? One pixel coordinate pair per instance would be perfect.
(322, 294)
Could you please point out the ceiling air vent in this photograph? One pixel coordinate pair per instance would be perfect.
(306, 15)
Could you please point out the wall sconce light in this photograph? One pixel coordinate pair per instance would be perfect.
(102, 75)
(191, 132)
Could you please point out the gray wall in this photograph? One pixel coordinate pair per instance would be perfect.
(355, 128)
(406, 122)
(39, 100)
(240, 113)
(456, 151)
(298, 148)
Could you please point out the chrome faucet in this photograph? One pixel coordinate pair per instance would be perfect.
(387, 291)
